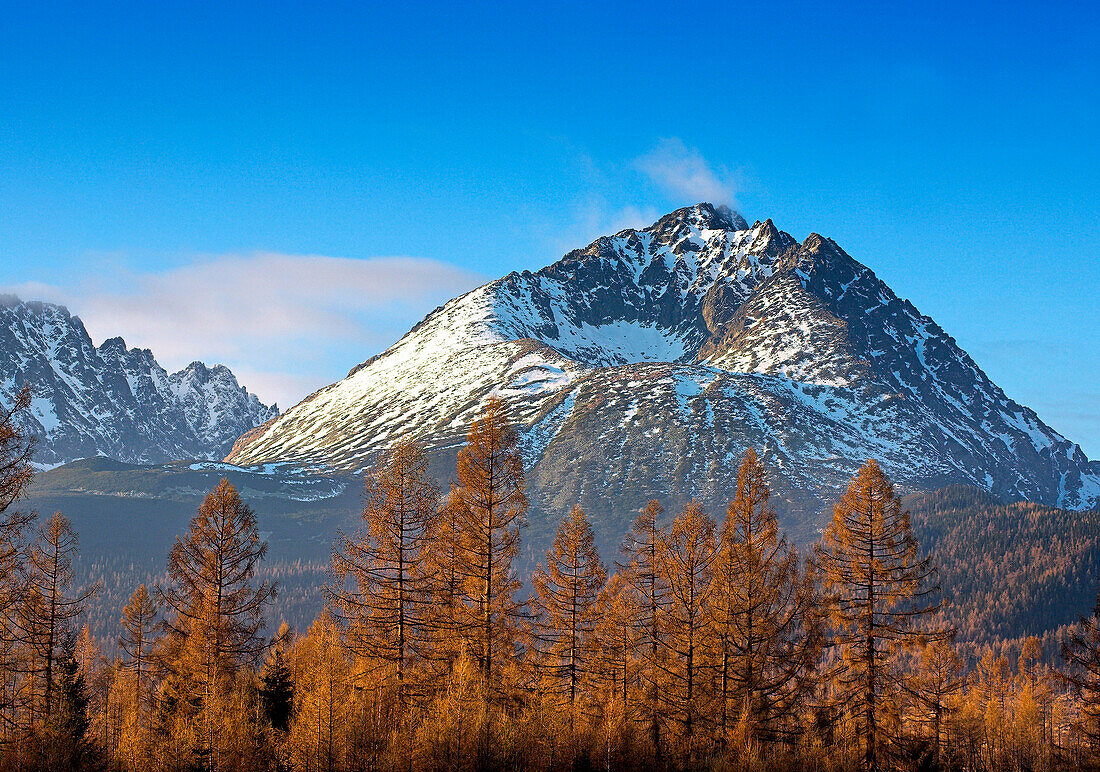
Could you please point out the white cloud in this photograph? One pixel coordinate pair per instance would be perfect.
(594, 217)
(682, 173)
(285, 324)
(630, 193)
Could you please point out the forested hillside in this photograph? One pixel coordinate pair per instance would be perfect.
(708, 642)
(1009, 571)
(128, 517)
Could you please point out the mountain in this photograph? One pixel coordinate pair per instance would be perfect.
(113, 401)
(646, 363)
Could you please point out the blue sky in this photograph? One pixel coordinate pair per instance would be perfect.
(159, 160)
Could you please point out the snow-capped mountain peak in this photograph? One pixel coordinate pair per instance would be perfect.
(649, 360)
(113, 400)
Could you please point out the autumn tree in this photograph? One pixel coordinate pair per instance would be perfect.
(1033, 733)
(489, 505)
(134, 682)
(16, 451)
(213, 602)
(686, 556)
(323, 678)
(139, 624)
(215, 620)
(16, 473)
(641, 570)
(443, 621)
(990, 698)
(1081, 652)
(615, 669)
(566, 589)
(880, 594)
(50, 603)
(382, 586)
(762, 613)
(935, 685)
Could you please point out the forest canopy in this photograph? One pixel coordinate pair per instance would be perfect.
(705, 643)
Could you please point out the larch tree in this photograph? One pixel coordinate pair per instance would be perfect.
(16, 473)
(211, 598)
(641, 570)
(566, 590)
(323, 687)
(489, 506)
(1081, 652)
(686, 557)
(139, 626)
(990, 696)
(16, 451)
(880, 594)
(51, 602)
(214, 617)
(938, 679)
(616, 664)
(443, 565)
(382, 588)
(765, 626)
(134, 679)
(88, 653)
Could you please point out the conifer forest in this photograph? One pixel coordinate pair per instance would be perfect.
(707, 642)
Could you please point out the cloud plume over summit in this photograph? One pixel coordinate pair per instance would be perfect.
(683, 173)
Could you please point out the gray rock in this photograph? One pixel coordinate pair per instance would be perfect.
(113, 401)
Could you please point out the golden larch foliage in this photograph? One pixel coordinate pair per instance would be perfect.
(566, 590)
(643, 604)
(383, 586)
(765, 625)
(489, 506)
(879, 592)
(686, 556)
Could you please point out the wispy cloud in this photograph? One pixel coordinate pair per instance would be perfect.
(592, 217)
(683, 173)
(635, 193)
(286, 324)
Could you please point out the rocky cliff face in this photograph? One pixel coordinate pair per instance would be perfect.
(113, 401)
(645, 364)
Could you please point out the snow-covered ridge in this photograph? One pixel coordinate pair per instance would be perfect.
(677, 346)
(112, 400)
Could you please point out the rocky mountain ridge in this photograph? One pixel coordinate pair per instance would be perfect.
(112, 400)
(645, 363)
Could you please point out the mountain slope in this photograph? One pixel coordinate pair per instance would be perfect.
(1008, 570)
(647, 362)
(113, 401)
